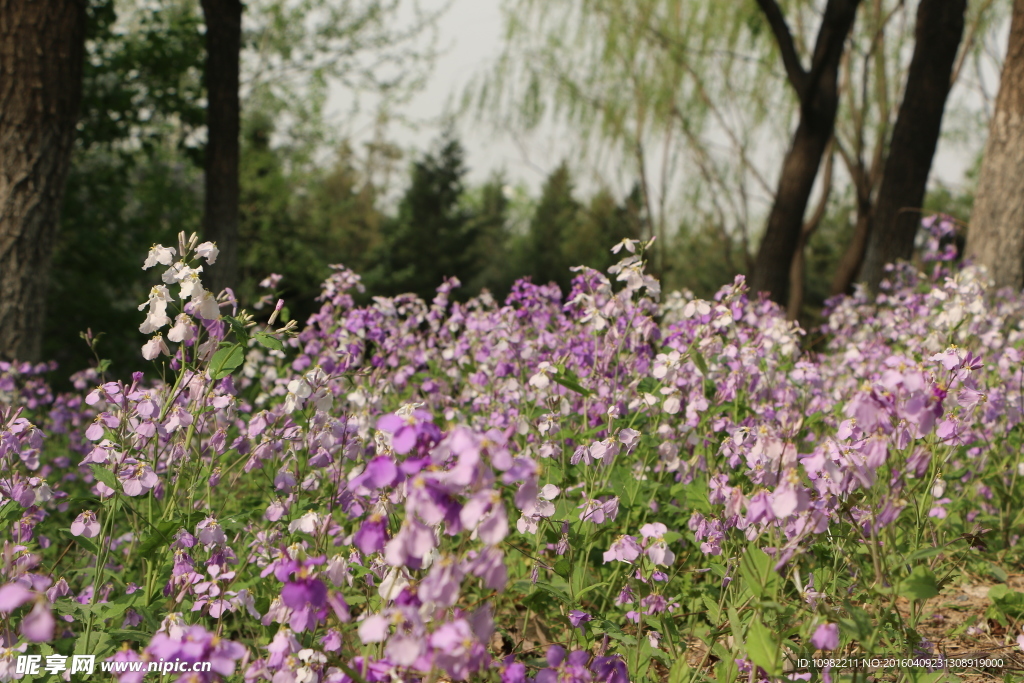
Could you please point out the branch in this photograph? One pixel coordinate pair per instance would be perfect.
(794, 69)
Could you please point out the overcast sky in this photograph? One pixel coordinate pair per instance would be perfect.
(471, 38)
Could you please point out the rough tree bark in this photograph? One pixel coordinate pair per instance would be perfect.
(818, 92)
(894, 223)
(41, 53)
(220, 210)
(996, 236)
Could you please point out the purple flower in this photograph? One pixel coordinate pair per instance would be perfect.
(457, 650)
(624, 549)
(13, 596)
(38, 624)
(372, 534)
(86, 525)
(137, 477)
(578, 617)
(826, 637)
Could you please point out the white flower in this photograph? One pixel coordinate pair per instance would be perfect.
(629, 244)
(154, 347)
(182, 330)
(206, 306)
(158, 296)
(188, 278)
(155, 319)
(157, 315)
(208, 251)
(307, 523)
(158, 254)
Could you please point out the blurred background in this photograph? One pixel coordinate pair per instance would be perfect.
(496, 139)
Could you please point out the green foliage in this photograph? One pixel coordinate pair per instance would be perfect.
(433, 236)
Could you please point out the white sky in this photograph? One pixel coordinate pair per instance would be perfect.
(471, 36)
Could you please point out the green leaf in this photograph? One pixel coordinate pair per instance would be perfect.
(104, 475)
(268, 341)
(680, 671)
(9, 512)
(714, 611)
(920, 585)
(159, 537)
(562, 568)
(612, 630)
(757, 572)
(699, 361)
(225, 361)
(122, 634)
(924, 554)
(571, 384)
(557, 593)
(591, 587)
(763, 649)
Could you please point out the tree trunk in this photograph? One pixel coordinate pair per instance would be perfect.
(818, 91)
(851, 260)
(996, 237)
(220, 211)
(41, 52)
(940, 27)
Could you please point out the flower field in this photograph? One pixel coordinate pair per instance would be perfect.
(613, 485)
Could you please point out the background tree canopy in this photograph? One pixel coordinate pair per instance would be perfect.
(692, 103)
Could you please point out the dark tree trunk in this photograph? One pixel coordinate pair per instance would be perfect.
(996, 237)
(220, 212)
(818, 91)
(851, 260)
(41, 52)
(940, 27)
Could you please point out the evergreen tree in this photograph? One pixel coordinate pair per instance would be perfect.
(432, 237)
(554, 222)
(496, 272)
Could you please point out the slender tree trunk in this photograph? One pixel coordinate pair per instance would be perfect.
(996, 237)
(818, 90)
(799, 266)
(220, 212)
(849, 262)
(41, 52)
(940, 27)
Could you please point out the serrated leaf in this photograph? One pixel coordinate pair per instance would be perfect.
(920, 585)
(762, 648)
(103, 474)
(225, 361)
(268, 341)
(714, 611)
(758, 573)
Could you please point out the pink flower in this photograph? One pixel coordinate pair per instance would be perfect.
(13, 596)
(38, 624)
(826, 637)
(624, 549)
(86, 525)
(154, 347)
(137, 477)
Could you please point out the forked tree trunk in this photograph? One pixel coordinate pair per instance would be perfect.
(996, 236)
(897, 214)
(818, 91)
(41, 52)
(220, 211)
